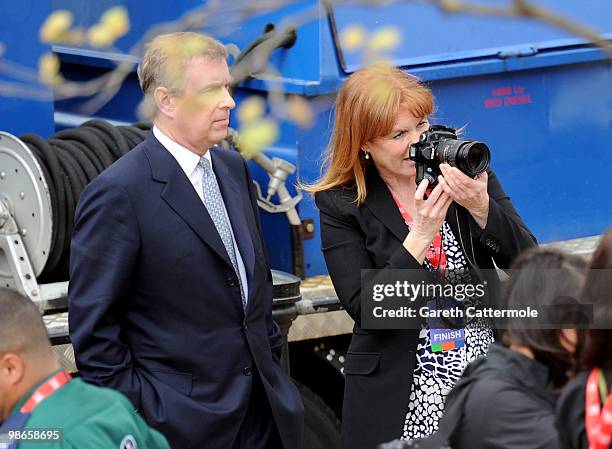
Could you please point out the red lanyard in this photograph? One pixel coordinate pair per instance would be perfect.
(598, 422)
(436, 255)
(49, 387)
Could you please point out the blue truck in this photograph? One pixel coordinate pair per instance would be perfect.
(537, 94)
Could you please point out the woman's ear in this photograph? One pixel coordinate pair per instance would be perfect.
(568, 339)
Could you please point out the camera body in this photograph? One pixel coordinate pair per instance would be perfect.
(439, 144)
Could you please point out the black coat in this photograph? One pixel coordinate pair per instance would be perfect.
(379, 364)
(510, 406)
(155, 308)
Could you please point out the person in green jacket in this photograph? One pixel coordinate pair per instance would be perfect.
(42, 407)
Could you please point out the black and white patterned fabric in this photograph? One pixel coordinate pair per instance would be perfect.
(435, 374)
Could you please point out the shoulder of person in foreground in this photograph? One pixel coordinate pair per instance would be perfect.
(570, 413)
(499, 413)
(97, 417)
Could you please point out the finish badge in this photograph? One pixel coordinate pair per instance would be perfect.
(446, 334)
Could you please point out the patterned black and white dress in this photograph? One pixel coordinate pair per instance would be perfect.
(435, 373)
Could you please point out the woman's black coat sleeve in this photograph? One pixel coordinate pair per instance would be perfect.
(505, 234)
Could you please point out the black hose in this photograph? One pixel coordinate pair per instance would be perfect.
(117, 138)
(70, 160)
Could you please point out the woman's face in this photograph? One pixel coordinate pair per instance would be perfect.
(390, 152)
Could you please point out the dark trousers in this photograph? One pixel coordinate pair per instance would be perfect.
(258, 429)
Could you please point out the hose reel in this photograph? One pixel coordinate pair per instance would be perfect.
(25, 217)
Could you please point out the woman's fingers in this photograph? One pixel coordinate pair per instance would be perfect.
(434, 195)
(445, 185)
(420, 191)
(441, 206)
(451, 178)
(482, 177)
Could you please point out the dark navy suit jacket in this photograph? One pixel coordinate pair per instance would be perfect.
(155, 307)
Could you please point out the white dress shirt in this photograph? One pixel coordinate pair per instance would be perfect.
(189, 162)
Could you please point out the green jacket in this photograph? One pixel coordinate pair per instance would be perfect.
(89, 417)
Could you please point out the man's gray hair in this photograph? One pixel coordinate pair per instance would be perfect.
(166, 58)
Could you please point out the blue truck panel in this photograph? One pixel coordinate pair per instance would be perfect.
(32, 110)
(431, 36)
(539, 97)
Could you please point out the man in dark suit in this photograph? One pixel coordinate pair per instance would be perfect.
(170, 290)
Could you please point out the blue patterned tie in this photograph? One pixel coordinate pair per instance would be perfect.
(214, 204)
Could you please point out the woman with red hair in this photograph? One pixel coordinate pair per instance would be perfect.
(374, 216)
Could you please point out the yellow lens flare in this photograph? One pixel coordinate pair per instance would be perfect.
(300, 111)
(48, 69)
(257, 135)
(385, 39)
(113, 24)
(174, 70)
(381, 91)
(250, 110)
(100, 36)
(193, 46)
(117, 20)
(195, 102)
(353, 37)
(56, 26)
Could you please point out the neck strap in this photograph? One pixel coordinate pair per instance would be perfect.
(50, 386)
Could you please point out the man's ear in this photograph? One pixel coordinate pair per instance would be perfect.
(12, 369)
(165, 101)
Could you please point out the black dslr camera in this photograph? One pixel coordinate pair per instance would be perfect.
(439, 144)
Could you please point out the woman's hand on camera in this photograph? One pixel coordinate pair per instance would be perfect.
(427, 220)
(467, 192)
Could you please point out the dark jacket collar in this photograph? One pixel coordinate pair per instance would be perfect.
(181, 197)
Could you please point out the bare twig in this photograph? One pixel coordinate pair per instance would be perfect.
(520, 9)
(104, 87)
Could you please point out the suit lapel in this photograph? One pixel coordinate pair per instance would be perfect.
(381, 203)
(234, 203)
(181, 197)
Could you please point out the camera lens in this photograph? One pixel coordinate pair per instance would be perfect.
(477, 157)
(469, 156)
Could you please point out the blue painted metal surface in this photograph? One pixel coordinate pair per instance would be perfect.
(430, 36)
(25, 103)
(540, 98)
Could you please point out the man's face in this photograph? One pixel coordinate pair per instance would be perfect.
(203, 107)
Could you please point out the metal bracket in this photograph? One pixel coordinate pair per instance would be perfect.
(518, 52)
(19, 263)
(278, 170)
(287, 202)
(47, 296)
